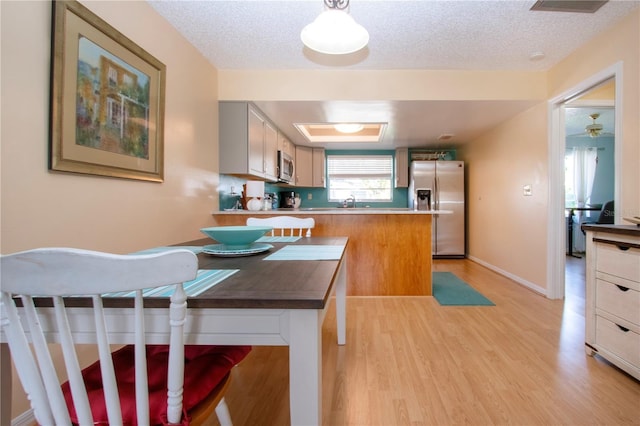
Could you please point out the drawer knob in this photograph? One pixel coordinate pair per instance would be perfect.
(623, 248)
(621, 288)
(625, 329)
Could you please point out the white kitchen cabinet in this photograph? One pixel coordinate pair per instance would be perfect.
(402, 168)
(285, 145)
(310, 167)
(304, 166)
(612, 311)
(270, 151)
(248, 141)
(319, 168)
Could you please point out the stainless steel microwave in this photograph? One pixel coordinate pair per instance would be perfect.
(285, 167)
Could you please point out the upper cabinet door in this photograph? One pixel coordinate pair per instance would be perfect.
(270, 151)
(319, 168)
(285, 145)
(402, 168)
(256, 143)
(304, 166)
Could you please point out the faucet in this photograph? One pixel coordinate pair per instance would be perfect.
(351, 200)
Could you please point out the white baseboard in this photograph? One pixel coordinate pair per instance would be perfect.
(509, 275)
(25, 419)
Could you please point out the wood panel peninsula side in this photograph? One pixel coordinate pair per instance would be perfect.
(389, 250)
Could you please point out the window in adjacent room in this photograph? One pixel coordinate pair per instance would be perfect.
(579, 171)
(364, 177)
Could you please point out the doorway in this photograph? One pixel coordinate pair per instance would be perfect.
(589, 161)
(557, 247)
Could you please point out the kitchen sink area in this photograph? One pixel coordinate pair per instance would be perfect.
(348, 209)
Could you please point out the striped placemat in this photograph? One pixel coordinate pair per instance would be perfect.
(277, 239)
(194, 249)
(310, 252)
(205, 279)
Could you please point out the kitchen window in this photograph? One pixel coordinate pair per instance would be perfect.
(364, 177)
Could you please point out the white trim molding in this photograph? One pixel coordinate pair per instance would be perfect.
(556, 247)
(509, 275)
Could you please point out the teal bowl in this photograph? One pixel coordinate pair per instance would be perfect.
(236, 237)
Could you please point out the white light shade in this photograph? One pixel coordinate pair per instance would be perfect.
(348, 127)
(254, 204)
(334, 32)
(255, 188)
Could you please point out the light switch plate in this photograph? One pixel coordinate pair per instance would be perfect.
(526, 190)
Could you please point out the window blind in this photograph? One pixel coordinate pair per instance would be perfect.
(364, 177)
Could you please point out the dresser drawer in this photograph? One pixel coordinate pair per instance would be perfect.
(625, 344)
(620, 301)
(621, 263)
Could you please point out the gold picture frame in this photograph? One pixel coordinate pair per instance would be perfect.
(107, 100)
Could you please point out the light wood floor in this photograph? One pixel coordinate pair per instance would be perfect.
(410, 361)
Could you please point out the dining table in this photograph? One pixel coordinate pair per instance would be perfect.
(275, 297)
(570, 215)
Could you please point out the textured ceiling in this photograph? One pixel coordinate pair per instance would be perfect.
(428, 34)
(470, 35)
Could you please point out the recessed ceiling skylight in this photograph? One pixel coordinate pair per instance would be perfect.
(348, 127)
(342, 132)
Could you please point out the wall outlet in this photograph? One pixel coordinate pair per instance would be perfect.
(526, 190)
(309, 196)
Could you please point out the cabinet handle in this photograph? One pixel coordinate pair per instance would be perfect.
(625, 329)
(621, 288)
(620, 244)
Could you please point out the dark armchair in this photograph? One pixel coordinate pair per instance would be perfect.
(606, 215)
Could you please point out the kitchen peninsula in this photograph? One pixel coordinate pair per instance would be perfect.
(389, 249)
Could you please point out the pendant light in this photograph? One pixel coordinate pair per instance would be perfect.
(334, 31)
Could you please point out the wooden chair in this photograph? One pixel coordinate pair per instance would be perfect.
(34, 283)
(283, 223)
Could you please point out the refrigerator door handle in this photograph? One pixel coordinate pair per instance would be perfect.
(436, 195)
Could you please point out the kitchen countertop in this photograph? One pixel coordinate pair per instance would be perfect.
(334, 210)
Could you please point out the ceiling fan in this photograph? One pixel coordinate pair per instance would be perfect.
(594, 129)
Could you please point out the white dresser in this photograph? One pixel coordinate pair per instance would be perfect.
(613, 295)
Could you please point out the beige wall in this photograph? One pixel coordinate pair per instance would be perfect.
(381, 85)
(39, 208)
(506, 230)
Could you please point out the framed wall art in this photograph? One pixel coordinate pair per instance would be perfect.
(107, 100)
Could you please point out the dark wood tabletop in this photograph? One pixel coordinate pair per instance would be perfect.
(273, 284)
(258, 284)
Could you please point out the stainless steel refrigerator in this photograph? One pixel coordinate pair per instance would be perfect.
(439, 185)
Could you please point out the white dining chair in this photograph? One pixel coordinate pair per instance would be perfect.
(294, 225)
(120, 387)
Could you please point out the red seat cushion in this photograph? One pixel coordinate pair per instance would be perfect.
(205, 366)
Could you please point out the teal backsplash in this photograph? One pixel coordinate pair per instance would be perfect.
(319, 196)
